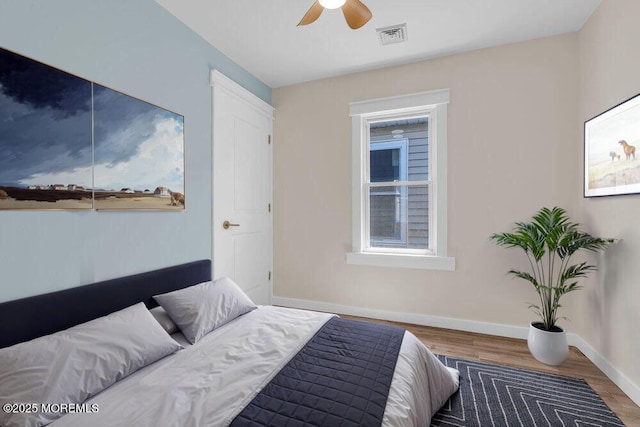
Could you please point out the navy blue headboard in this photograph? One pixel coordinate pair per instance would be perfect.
(32, 317)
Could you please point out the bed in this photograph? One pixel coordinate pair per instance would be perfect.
(109, 354)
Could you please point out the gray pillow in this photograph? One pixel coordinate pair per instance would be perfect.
(199, 309)
(72, 365)
(164, 320)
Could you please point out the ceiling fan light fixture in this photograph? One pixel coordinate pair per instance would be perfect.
(355, 12)
(332, 4)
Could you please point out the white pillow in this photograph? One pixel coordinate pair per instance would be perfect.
(71, 366)
(199, 309)
(164, 320)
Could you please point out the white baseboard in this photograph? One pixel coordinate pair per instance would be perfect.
(627, 386)
(413, 318)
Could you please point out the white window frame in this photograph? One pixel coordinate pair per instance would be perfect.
(400, 144)
(434, 105)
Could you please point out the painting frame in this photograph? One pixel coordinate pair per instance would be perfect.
(612, 151)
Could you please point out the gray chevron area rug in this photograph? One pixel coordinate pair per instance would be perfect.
(496, 396)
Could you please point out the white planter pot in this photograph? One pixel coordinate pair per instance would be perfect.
(550, 348)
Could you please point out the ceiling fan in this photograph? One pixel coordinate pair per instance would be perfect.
(356, 13)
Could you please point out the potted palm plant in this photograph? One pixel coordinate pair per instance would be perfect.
(549, 241)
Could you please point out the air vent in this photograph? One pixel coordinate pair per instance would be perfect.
(392, 34)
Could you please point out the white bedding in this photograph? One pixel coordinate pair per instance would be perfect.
(208, 384)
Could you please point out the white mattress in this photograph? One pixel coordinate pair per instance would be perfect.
(209, 383)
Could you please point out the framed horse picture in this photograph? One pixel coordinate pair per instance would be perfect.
(612, 151)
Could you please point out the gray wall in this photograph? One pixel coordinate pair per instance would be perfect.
(138, 48)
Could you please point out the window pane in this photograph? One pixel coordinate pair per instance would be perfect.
(385, 165)
(385, 218)
(399, 217)
(386, 137)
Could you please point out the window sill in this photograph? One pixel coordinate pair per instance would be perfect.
(424, 262)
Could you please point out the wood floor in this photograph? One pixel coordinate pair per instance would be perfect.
(514, 352)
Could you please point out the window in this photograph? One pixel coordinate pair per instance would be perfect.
(388, 204)
(399, 181)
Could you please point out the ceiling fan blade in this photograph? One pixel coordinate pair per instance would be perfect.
(312, 14)
(356, 13)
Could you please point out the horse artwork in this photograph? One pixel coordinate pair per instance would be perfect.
(610, 141)
(629, 150)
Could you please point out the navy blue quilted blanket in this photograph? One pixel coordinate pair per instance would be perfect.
(340, 378)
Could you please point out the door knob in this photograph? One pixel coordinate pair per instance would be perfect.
(227, 224)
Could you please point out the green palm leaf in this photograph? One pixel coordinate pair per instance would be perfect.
(549, 241)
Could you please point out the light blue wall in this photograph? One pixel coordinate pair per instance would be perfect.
(137, 47)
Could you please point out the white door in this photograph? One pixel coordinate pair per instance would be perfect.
(242, 188)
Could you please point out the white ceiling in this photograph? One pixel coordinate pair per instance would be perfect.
(262, 36)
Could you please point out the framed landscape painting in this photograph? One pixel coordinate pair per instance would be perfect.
(138, 154)
(45, 136)
(69, 143)
(611, 147)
